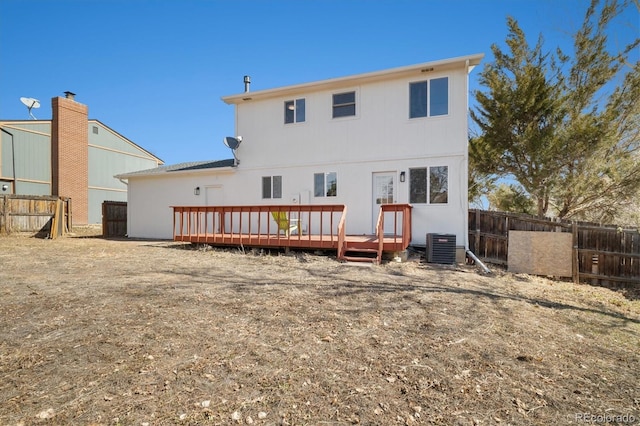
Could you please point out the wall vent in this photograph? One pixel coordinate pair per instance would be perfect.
(441, 248)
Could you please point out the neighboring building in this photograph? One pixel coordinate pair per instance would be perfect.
(70, 156)
(393, 136)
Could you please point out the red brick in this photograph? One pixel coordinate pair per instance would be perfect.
(70, 155)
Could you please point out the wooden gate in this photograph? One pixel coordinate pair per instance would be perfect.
(114, 219)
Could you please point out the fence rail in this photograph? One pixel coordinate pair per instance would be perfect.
(43, 214)
(603, 255)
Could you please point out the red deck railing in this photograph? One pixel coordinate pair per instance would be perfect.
(401, 235)
(317, 226)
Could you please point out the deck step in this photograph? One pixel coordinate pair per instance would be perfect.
(360, 259)
(361, 254)
(361, 250)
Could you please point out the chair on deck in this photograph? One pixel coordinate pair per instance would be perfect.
(284, 224)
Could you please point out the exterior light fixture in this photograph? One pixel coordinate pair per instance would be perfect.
(196, 190)
(402, 176)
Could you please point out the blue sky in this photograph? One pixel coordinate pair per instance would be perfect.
(155, 71)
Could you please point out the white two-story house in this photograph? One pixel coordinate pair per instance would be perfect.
(394, 136)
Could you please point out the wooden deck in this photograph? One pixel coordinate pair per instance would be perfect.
(317, 227)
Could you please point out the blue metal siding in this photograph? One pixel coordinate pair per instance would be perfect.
(32, 158)
(33, 188)
(96, 197)
(6, 156)
(108, 139)
(104, 165)
(40, 126)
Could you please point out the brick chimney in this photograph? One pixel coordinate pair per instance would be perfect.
(70, 154)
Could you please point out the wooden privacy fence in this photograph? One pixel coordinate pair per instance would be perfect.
(114, 219)
(42, 214)
(602, 255)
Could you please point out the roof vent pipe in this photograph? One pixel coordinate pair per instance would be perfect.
(247, 83)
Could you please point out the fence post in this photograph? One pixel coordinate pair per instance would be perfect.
(7, 217)
(476, 248)
(105, 230)
(67, 214)
(5, 214)
(575, 264)
(70, 214)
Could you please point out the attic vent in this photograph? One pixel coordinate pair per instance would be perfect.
(95, 130)
(426, 69)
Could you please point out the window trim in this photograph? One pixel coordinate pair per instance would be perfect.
(446, 192)
(296, 104)
(428, 196)
(344, 104)
(428, 105)
(273, 194)
(325, 184)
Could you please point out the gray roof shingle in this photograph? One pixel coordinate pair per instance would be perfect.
(192, 165)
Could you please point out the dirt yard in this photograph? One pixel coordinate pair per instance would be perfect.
(106, 332)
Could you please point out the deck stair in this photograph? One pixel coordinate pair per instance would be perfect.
(362, 252)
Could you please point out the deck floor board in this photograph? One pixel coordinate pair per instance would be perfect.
(301, 241)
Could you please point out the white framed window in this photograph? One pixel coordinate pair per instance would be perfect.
(294, 111)
(429, 98)
(429, 185)
(271, 187)
(344, 104)
(325, 184)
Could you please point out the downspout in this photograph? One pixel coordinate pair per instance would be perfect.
(466, 184)
(466, 163)
(478, 262)
(13, 158)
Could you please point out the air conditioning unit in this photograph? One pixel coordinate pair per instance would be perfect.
(441, 248)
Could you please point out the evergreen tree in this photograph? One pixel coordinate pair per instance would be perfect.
(567, 138)
(601, 171)
(518, 117)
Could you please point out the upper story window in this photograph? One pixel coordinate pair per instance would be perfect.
(294, 111)
(344, 104)
(325, 184)
(271, 187)
(429, 98)
(431, 190)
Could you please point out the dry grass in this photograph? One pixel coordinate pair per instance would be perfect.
(133, 332)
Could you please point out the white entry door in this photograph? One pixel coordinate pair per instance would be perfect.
(384, 192)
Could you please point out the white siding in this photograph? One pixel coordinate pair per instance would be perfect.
(380, 138)
(381, 129)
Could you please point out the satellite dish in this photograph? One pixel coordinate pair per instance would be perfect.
(233, 144)
(30, 103)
